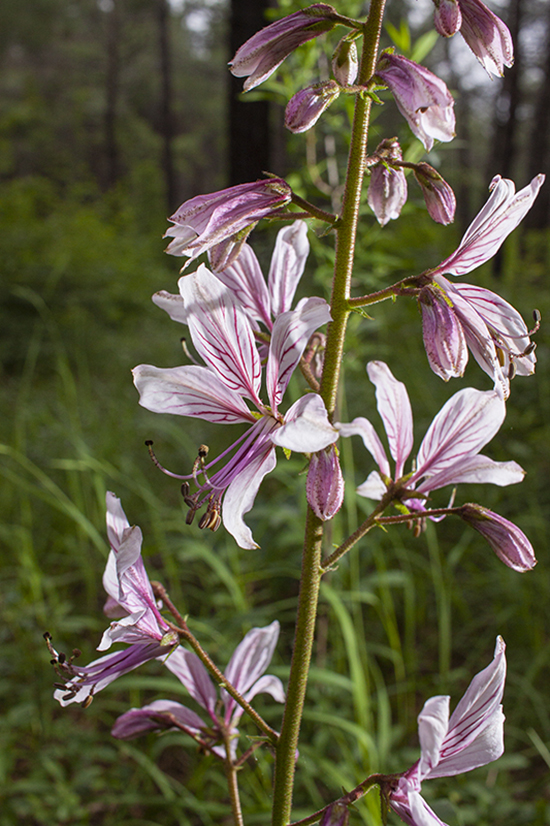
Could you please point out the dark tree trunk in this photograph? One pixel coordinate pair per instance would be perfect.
(539, 145)
(112, 159)
(166, 104)
(504, 150)
(250, 141)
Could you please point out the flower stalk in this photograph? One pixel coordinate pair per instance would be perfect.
(346, 232)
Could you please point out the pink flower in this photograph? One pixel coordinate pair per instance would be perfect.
(508, 542)
(485, 33)
(264, 52)
(223, 336)
(246, 667)
(221, 221)
(456, 317)
(422, 98)
(449, 452)
(131, 598)
(472, 737)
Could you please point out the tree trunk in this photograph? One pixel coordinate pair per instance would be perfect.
(249, 128)
(166, 104)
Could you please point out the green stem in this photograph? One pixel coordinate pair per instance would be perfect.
(370, 522)
(346, 232)
(184, 633)
(232, 784)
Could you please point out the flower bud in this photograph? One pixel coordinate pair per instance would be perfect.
(507, 541)
(345, 63)
(388, 187)
(325, 484)
(444, 338)
(337, 814)
(438, 195)
(306, 107)
(447, 17)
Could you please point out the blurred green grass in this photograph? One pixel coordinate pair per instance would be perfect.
(400, 619)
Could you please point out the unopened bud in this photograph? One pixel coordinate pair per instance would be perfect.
(440, 198)
(447, 17)
(306, 107)
(508, 542)
(325, 483)
(345, 64)
(336, 815)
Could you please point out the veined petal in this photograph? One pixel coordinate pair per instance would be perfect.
(157, 715)
(307, 428)
(241, 493)
(443, 335)
(291, 332)
(479, 709)
(462, 427)
(499, 217)
(433, 722)
(476, 469)
(287, 266)
(362, 427)
(222, 333)
(189, 391)
(193, 675)
(394, 407)
(249, 661)
(421, 813)
(245, 280)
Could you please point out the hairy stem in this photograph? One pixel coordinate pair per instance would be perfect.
(346, 231)
(232, 784)
(184, 633)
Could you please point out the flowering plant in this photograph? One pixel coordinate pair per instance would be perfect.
(249, 338)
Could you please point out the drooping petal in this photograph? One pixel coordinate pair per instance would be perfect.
(307, 428)
(117, 521)
(462, 427)
(438, 195)
(287, 266)
(245, 280)
(387, 193)
(193, 675)
(362, 427)
(171, 304)
(221, 332)
(189, 391)
(502, 213)
(158, 715)
(291, 332)
(395, 410)
(249, 661)
(241, 493)
(476, 469)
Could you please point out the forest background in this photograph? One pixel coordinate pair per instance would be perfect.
(112, 113)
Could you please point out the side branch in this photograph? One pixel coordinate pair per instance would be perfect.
(184, 633)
